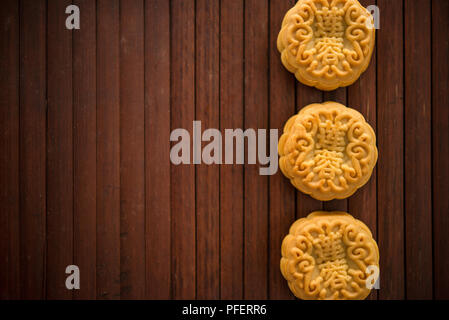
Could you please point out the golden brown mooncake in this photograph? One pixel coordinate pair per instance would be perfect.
(327, 151)
(330, 256)
(327, 43)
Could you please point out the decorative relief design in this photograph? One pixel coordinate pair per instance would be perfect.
(326, 43)
(327, 151)
(326, 255)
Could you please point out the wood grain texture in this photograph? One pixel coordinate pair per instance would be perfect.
(390, 134)
(440, 146)
(32, 162)
(207, 176)
(59, 151)
(108, 149)
(84, 151)
(183, 176)
(157, 150)
(281, 192)
(132, 150)
(255, 270)
(9, 154)
(418, 150)
(361, 96)
(85, 170)
(231, 175)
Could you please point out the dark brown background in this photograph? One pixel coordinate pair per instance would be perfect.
(85, 174)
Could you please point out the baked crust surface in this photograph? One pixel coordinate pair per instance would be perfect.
(326, 256)
(327, 151)
(327, 43)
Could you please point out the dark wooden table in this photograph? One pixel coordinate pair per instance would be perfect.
(85, 174)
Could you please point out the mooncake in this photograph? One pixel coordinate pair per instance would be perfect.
(327, 151)
(330, 256)
(327, 43)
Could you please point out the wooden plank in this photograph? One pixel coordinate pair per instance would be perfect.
(108, 150)
(231, 176)
(282, 193)
(183, 176)
(256, 117)
(157, 150)
(132, 144)
(84, 150)
(440, 146)
(59, 150)
(339, 95)
(417, 131)
(9, 155)
(33, 107)
(207, 176)
(361, 96)
(390, 173)
(132, 173)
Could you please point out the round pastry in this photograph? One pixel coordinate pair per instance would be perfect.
(327, 151)
(327, 43)
(330, 256)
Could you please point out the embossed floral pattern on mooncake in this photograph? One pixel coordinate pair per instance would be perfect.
(327, 151)
(327, 43)
(329, 256)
